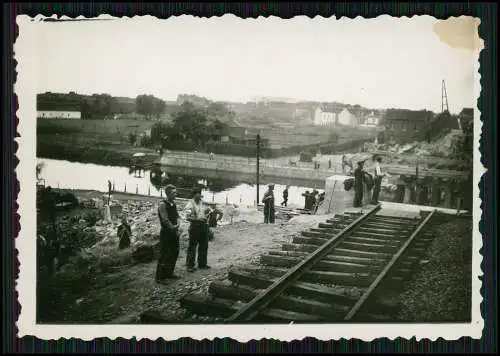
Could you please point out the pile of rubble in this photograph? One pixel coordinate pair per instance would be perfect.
(444, 146)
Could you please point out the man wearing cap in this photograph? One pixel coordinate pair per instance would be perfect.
(198, 232)
(268, 201)
(358, 184)
(169, 236)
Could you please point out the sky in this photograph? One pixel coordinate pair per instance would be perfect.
(377, 63)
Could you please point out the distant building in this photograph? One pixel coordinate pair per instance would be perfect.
(43, 114)
(327, 115)
(58, 110)
(372, 119)
(401, 126)
(347, 118)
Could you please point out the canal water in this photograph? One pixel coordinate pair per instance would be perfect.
(86, 176)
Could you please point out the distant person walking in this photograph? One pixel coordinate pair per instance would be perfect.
(268, 201)
(169, 236)
(377, 180)
(285, 197)
(359, 175)
(198, 232)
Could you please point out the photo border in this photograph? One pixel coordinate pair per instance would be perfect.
(10, 186)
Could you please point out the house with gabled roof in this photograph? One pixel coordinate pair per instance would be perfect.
(327, 115)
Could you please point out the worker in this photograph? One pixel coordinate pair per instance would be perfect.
(214, 215)
(321, 199)
(268, 201)
(377, 180)
(285, 197)
(198, 232)
(307, 199)
(124, 233)
(169, 236)
(313, 200)
(359, 184)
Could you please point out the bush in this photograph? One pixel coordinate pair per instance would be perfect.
(92, 217)
(132, 137)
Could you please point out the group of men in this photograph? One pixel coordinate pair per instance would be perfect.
(361, 177)
(200, 222)
(313, 200)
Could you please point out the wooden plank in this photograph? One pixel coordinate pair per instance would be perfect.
(373, 234)
(317, 241)
(367, 247)
(386, 269)
(302, 247)
(387, 242)
(290, 303)
(303, 289)
(265, 297)
(323, 265)
(320, 235)
(355, 253)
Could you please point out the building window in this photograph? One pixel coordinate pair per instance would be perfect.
(417, 127)
(403, 127)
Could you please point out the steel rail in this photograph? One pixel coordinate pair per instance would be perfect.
(262, 300)
(355, 309)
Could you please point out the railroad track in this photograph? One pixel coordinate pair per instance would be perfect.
(331, 273)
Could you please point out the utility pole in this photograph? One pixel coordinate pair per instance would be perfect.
(258, 168)
(444, 98)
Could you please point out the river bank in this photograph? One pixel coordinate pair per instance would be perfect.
(102, 153)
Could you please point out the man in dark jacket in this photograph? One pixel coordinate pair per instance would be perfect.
(359, 175)
(169, 236)
(268, 201)
(285, 197)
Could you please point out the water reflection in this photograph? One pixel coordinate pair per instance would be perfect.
(74, 175)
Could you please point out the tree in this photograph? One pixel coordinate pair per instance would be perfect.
(190, 121)
(159, 107)
(149, 106)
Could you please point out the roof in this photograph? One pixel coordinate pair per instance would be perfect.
(331, 108)
(407, 115)
(58, 106)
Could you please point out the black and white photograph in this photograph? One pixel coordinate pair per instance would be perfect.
(304, 176)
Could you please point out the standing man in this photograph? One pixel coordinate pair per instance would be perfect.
(378, 180)
(169, 236)
(198, 232)
(268, 201)
(359, 184)
(285, 197)
(307, 199)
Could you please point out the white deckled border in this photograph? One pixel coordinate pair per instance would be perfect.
(25, 88)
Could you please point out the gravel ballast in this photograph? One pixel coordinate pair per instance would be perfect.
(441, 290)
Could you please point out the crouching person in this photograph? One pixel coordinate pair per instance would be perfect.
(124, 234)
(198, 233)
(169, 236)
